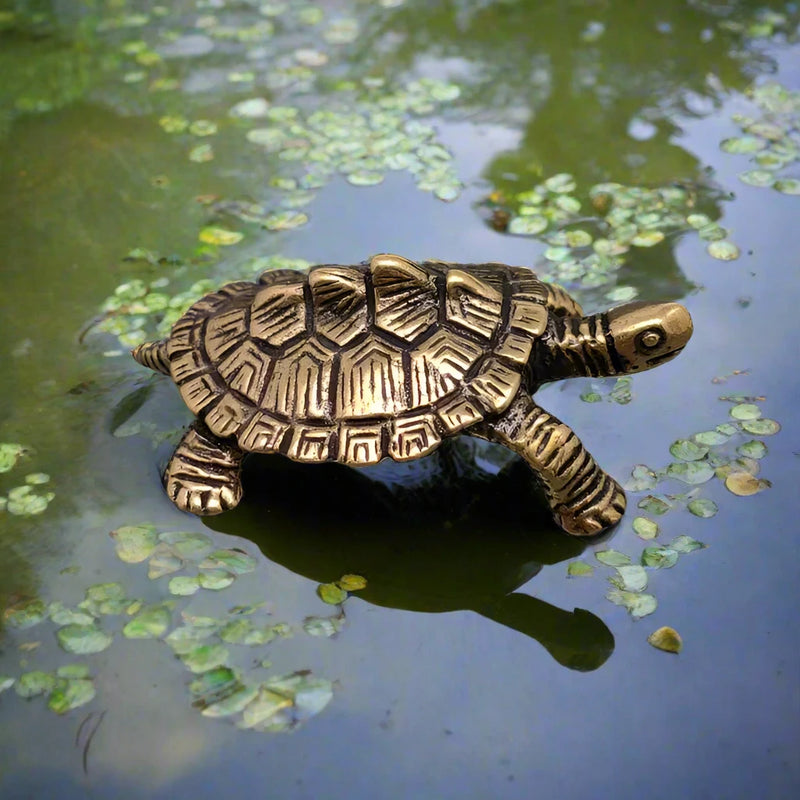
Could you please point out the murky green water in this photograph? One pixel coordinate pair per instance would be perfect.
(470, 665)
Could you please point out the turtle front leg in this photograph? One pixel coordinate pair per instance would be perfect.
(584, 500)
(202, 476)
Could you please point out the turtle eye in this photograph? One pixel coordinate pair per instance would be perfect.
(650, 339)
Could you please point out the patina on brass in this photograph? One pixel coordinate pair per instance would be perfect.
(359, 363)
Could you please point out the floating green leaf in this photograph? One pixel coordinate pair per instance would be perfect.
(6, 683)
(184, 639)
(270, 138)
(579, 569)
(761, 427)
(188, 546)
(645, 528)
(308, 693)
(757, 177)
(723, 250)
(752, 449)
(711, 438)
(561, 183)
(134, 543)
(687, 450)
(106, 598)
(653, 505)
(232, 704)
(203, 127)
(236, 631)
(24, 502)
(285, 220)
(10, 454)
(612, 558)
(745, 411)
(25, 613)
(201, 153)
(234, 560)
(685, 544)
(579, 238)
(254, 108)
(263, 708)
(215, 579)
(71, 693)
(631, 578)
(698, 221)
(527, 225)
(32, 684)
(743, 144)
(174, 124)
(37, 478)
(323, 626)
(331, 593)
(61, 615)
(702, 507)
(352, 583)
(205, 657)
(667, 639)
(745, 484)
(621, 393)
(642, 479)
(787, 185)
(83, 639)
(364, 178)
(691, 472)
(151, 623)
(184, 585)
(217, 682)
(163, 562)
(638, 605)
(73, 671)
(647, 238)
(621, 294)
(659, 557)
(220, 236)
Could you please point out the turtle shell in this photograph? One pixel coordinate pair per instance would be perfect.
(357, 363)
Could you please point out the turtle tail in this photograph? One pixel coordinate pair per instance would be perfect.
(153, 355)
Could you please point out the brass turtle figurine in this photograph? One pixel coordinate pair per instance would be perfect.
(359, 363)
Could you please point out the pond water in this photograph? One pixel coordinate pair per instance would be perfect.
(151, 152)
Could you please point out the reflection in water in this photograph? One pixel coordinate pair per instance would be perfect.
(593, 88)
(455, 541)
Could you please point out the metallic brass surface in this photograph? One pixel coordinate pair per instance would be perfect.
(385, 359)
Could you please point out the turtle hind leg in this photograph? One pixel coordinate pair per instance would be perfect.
(584, 500)
(203, 475)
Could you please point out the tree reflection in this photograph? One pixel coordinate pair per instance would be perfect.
(598, 90)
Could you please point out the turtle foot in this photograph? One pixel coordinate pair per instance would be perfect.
(595, 513)
(203, 499)
(203, 475)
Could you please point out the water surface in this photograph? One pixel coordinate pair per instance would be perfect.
(470, 666)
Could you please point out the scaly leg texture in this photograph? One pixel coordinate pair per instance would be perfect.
(202, 476)
(584, 500)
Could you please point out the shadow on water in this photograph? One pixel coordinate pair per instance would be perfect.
(462, 542)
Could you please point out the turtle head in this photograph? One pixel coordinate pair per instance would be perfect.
(644, 335)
